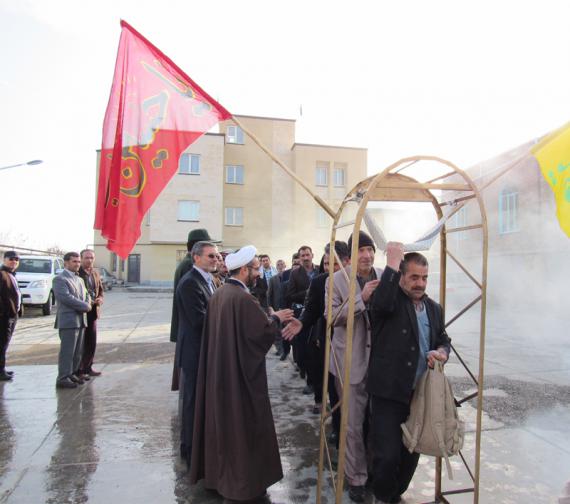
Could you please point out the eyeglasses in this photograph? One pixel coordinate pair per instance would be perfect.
(13, 258)
(212, 256)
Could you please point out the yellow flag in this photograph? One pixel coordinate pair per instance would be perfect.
(553, 156)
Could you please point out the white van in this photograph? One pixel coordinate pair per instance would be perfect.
(35, 277)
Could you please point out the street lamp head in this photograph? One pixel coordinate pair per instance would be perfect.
(34, 162)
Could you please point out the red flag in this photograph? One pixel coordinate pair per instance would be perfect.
(155, 112)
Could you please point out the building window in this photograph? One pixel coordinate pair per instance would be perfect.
(234, 174)
(323, 219)
(339, 174)
(122, 265)
(508, 211)
(147, 218)
(234, 216)
(189, 164)
(321, 178)
(188, 210)
(459, 220)
(234, 135)
(180, 255)
(113, 264)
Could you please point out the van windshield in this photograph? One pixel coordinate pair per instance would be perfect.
(34, 266)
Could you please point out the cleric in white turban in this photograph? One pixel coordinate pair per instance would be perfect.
(233, 423)
(241, 257)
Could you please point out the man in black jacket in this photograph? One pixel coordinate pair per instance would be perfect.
(10, 305)
(408, 335)
(313, 319)
(294, 298)
(192, 295)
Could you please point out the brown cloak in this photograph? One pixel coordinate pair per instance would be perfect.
(235, 446)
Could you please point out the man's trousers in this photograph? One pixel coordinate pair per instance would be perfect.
(70, 351)
(355, 469)
(393, 464)
(7, 326)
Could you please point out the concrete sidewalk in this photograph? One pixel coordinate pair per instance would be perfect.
(115, 439)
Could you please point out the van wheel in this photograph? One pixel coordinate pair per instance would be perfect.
(47, 306)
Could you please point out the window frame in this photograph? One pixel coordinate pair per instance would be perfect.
(191, 156)
(234, 169)
(508, 211)
(322, 169)
(237, 138)
(339, 168)
(234, 213)
(178, 217)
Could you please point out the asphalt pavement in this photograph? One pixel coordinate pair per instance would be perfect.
(115, 439)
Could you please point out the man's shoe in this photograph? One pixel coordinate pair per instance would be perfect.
(308, 390)
(333, 438)
(357, 493)
(84, 377)
(94, 373)
(65, 383)
(11, 373)
(5, 376)
(317, 408)
(76, 379)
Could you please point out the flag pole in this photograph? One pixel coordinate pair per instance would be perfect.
(275, 159)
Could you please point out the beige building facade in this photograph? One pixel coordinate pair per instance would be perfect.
(229, 186)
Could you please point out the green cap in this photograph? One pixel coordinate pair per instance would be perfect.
(197, 235)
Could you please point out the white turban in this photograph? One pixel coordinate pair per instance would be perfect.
(240, 258)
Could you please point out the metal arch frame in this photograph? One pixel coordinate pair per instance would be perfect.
(388, 186)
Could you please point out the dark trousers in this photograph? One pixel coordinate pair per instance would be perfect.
(188, 379)
(393, 464)
(286, 345)
(89, 346)
(7, 326)
(300, 352)
(333, 399)
(315, 362)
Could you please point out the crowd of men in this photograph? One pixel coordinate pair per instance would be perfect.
(229, 313)
(229, 310)
(79, 293)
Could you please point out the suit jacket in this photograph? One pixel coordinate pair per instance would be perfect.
(361, 331)
(8, 295)
(259, 290)
(297, 286)
(275, 297)
(313, 312)
(184, 267)
(73, 301)
(191, 297)
(97, 292)
(395, 348)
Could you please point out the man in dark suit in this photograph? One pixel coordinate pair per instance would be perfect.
(92, 280)
(192, 295)
(185, 265)
(294, 298)
(408, 335)
(276, 299)
(10, 305)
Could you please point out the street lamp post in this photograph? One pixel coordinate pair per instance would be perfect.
(34, 162)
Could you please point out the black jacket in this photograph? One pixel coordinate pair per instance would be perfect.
(8, 295)
(191, 297)
(395, 339)
(314, 308)
(297, 287)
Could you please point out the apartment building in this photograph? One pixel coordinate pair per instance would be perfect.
(229, 186)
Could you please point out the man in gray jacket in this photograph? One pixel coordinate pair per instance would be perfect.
(73, 302)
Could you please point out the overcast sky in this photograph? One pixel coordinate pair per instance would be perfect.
(461, 80)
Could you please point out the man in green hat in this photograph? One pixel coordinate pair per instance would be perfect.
(185, 265)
